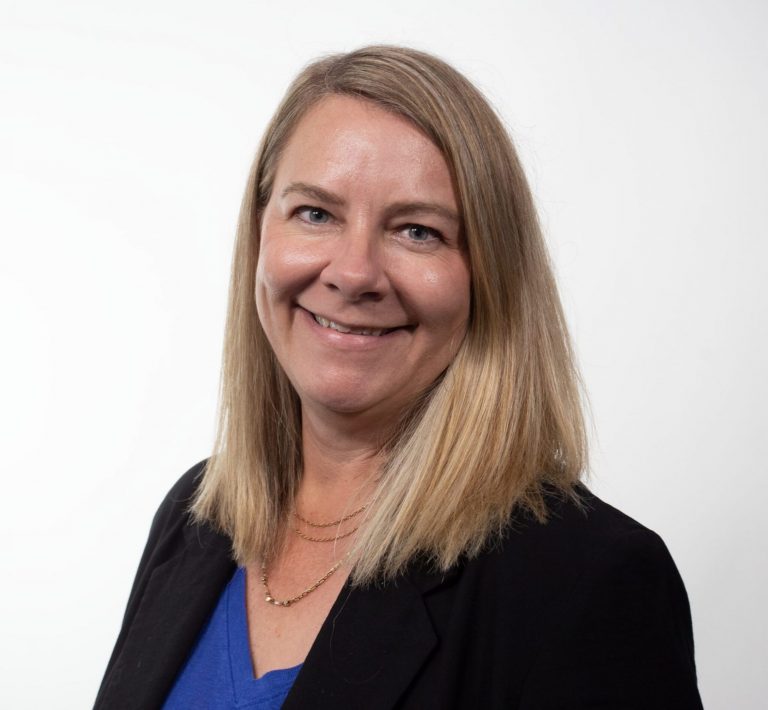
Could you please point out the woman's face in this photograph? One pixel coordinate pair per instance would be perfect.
(362, 285)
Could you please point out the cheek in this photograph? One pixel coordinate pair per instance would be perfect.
(275, 277)
(283, 269)
(443, 295)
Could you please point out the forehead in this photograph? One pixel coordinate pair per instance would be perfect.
(345, 142)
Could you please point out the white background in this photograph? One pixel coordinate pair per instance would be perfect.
(126, 133)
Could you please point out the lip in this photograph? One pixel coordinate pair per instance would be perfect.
(349, 341)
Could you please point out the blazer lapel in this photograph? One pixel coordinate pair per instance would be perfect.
(178, 600)
(370, 647)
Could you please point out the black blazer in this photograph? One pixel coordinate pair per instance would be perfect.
(586, 611)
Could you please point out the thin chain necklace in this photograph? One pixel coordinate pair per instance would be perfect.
(288, 602)
(335, 522)
(324, 539)
(269, 598)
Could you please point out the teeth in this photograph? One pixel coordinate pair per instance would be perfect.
(343, 329)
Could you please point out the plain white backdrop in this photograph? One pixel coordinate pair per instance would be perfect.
(126, 133)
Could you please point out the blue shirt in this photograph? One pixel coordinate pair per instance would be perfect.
(218, 675)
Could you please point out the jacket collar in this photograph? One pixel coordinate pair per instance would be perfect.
(371, 645)
(368, 650)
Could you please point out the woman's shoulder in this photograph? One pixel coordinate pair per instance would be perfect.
(594, 598)
(180, 495)
(174, 530)
(580, 524)
(177, 551)
(173, 511)
(582, 534)
(173, 526)
(583, 541)
(608, 592)
(586, 550)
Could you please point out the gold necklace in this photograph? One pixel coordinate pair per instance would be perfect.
(288, 602)
(335, 522)
(324, 539)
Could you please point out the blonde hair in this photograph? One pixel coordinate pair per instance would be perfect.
(503, 424)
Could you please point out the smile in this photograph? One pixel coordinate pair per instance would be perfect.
(349, 329)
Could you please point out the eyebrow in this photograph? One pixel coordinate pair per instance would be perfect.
(396, 209)
(315, 192)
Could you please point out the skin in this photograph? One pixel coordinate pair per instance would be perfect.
(363, 229)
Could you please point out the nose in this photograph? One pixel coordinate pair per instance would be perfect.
(355, 269)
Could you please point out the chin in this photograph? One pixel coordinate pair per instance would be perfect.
(340, 403)
(345, 397)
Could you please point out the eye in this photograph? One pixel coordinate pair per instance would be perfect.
(419, 233)
(313, 215)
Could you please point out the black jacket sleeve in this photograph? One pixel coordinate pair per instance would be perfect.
(162, 542)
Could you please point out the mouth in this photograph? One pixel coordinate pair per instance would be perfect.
(352, 329)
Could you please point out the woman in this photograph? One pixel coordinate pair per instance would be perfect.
(392, 516)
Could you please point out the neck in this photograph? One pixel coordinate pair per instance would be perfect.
(341, 461)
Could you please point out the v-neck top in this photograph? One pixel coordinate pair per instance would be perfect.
(218, 675)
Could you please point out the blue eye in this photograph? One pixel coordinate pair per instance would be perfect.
(313, 215)
(420, 233)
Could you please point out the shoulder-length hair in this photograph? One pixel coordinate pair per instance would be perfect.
(502, 424)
